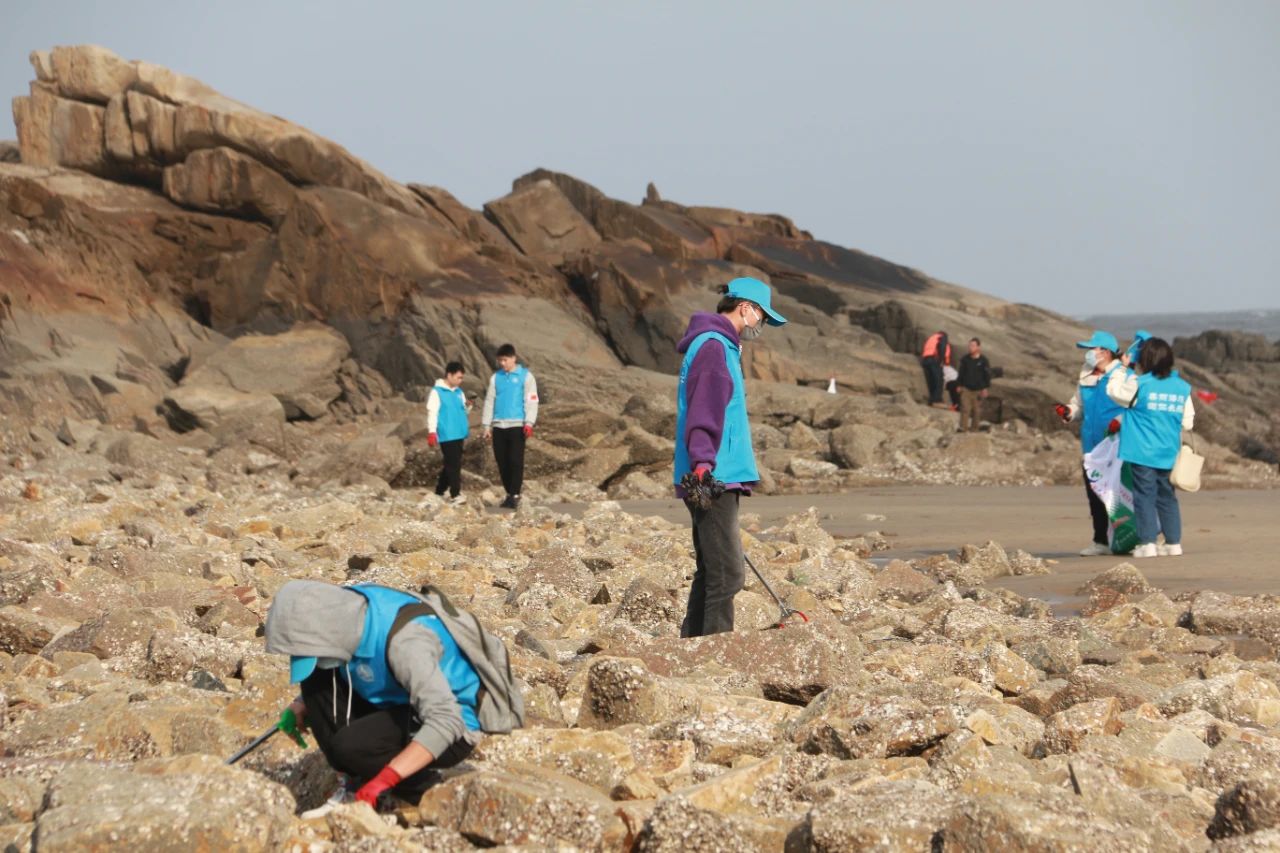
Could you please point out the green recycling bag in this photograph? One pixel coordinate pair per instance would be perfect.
(1112, 481)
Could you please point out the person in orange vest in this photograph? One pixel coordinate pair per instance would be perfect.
(936, 353)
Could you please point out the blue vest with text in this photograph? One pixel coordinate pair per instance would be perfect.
(1097, 410)
(372, 678)
(735, 460)
(508, 404)
(1152, 433)
(451, 423)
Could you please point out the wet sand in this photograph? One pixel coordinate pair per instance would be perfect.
(1231, 537)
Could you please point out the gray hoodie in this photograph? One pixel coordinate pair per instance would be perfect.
(315, 619)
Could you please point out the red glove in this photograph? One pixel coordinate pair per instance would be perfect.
(432, 439)
(702, 470)
(528, 430)
(1113, 427)
(1063, 412)
(384, 781)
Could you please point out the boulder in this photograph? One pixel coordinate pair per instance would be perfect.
(541, 221)
(1249, 806)
(525, 805)
(856, 445)
(222, 410)
(178, 805)
(221, 180)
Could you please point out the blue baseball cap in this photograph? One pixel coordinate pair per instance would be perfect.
(300, 668)
(1106, 340)
(754, 290)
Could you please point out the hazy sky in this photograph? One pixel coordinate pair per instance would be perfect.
(1084, 156)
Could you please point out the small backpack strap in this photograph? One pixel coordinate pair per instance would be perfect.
(404, 616)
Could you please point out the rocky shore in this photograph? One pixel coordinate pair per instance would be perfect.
(917, 709)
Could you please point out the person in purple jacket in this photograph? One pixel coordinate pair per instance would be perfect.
(713, 443)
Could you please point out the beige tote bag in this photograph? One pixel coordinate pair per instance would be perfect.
(1186, 470)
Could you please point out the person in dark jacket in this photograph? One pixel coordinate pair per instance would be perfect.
(933, 356)
(973, 381)
(385, 709)
(713, 440)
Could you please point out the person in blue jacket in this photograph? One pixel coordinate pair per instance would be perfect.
(510, 412)
(386, 706)
(447, 427)
(713, 441)
(1158, 408)
(1095, 411)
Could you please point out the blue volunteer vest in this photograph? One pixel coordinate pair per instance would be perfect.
(1152, 433)
(735, 460)
(508, 404)
(1097, 410)
(372, 678)
(451, 422)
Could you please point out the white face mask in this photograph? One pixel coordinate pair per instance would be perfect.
(750, 333)
(1091, 359)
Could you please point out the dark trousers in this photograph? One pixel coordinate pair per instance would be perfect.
(374, 736)
(953, 391)
(1098, 512)
(451, 475)
(717, 547)
(508, 452)
(1155, 505)
(933, 378)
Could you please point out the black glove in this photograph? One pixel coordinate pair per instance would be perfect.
(701, 489)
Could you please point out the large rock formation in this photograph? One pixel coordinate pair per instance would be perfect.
(170, 256)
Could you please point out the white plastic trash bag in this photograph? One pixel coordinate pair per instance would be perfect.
(1112, 481)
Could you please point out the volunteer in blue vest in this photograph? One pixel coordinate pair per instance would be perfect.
(713, 440)
(935, 355)
(447, 427)
(510, 411)
(1158, 408)
(1095, 410)
(383, 713)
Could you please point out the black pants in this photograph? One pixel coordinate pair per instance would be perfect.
(508, 452)
(1098, 510)
(933, 378)
(953, 391)
(374, 736)
(717, 547)
(451, 475)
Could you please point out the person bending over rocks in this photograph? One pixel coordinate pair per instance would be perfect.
(385, 710)
(714, 461)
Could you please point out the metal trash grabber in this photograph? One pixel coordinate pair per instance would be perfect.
(254, 744)
(787, 612)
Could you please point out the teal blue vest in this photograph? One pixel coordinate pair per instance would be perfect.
(372, 678)
(1097, 411)
(735, 460)
(1152, 433)
(508, 404)
(451, 423)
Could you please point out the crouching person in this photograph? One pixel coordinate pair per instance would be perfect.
(385, 689)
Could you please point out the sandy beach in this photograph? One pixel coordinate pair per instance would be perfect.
(1232, 537)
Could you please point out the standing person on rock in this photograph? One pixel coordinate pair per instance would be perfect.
(714, 460)
(447, 427)
(1095, 411)
(973, 381)
(935, 354)
(510, 412)
(387, 701)
(1158, 408)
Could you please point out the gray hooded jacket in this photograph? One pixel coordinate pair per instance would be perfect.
(315, 619)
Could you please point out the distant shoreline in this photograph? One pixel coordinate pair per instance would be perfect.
(1260, 321)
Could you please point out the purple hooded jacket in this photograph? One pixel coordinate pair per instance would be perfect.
(708, 389)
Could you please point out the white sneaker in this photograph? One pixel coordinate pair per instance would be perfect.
(1143, 551)
(344, 794)
(458, 500)
(1174, 550)
(1095, 550)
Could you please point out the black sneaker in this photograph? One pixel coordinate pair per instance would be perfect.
(515, 501)
(510, 503)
